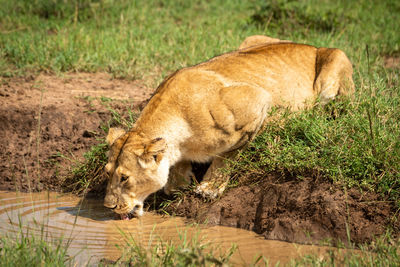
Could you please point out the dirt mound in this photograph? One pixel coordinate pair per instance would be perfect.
(294, 210)
(48, 122)
(391, 62)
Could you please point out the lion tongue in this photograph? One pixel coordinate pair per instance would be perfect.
(124, 216)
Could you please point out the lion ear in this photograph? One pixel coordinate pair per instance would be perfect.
(156, 146)
(153, 153)
(116, 139)
(114, 134)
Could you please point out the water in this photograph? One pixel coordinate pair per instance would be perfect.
(93, 231)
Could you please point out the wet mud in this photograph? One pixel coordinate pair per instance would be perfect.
(296, 210)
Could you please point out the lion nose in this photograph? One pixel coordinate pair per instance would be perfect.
(109, 202)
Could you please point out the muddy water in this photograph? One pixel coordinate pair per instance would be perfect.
(93, 231)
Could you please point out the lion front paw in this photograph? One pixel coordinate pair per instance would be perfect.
(208, 191)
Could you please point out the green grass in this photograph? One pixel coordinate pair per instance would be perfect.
(384, 251)
(88, 174)
(193, 251)
(136, 39)
(36, 251)
(351, 143)
(189, 250)
(130, 39)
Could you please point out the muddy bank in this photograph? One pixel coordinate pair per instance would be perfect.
(47, 123)
(304, 211)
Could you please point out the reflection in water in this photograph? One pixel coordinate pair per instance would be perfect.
(94, 233)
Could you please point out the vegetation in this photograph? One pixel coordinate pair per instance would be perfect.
(353, 142)
(130, 39)
(190, 251)
(89, 174)
(139, 39)
(35, 251)
(382, 252)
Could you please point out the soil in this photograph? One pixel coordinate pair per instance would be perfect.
(296, 210)
(48, 122)
(391, 62)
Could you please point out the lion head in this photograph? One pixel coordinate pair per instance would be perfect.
(135, 169)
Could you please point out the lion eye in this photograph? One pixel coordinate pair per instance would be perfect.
(124, 178)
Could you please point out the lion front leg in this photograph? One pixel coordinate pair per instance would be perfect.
(215, 180)
(180, 176)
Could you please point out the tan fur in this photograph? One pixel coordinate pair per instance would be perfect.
(260, 39)
(205, 112)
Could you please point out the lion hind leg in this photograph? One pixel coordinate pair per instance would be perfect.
(333, 74)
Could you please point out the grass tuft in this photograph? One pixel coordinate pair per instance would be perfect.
(352, 143)
(384, 251)
(35, 251)
(88, 174)
(189, 250)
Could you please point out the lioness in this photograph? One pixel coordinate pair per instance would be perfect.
(206, 112)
